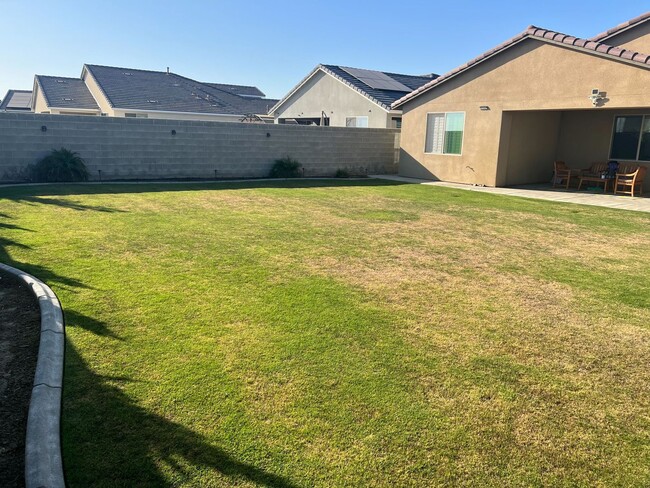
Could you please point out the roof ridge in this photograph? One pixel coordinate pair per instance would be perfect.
(620, 27)
(547, 35)
(128, 69)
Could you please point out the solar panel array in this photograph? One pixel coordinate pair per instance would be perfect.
(376, 79)
(20, 100)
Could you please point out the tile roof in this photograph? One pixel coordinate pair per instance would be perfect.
(621, 27)
(17, 100)
(127, 88)
(540, 34)
(61, 92)
(242, 90)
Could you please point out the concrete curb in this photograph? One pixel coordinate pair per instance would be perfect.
(43, 461)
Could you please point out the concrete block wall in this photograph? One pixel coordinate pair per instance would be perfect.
(130, 148)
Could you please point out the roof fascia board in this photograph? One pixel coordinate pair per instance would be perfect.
(37, 83)
(88, 72)
(64, 109)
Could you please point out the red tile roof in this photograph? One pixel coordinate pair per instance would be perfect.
(625, 25)
(541, 34)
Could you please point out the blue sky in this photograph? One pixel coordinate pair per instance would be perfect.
(273, 44)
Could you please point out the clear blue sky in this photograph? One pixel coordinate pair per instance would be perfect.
(274, 44)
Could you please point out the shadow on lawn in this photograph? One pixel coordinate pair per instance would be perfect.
(31, 193)
(40, 272)
(111, 441)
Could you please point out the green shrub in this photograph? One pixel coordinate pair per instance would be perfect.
(342, 173)
(286, 168)
(60, 165)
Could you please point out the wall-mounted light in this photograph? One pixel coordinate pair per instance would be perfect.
(484, 108)
(597, 97)
(268, 134)
(43, 128)
(173, 132)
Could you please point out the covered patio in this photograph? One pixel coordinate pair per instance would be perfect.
(532, 140)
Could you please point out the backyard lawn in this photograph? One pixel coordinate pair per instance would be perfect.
(342, 333)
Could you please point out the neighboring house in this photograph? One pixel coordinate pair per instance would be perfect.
(504, 117)
(347, 97)
(63, 96)
(127, 92)
(16, 101)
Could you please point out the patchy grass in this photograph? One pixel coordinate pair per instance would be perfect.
(342, 333)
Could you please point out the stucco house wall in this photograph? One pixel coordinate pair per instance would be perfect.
(530, 76)
(325, 93)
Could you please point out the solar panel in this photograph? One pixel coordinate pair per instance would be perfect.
(377, 79)
(20, 100)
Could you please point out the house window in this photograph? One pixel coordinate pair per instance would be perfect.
(139, 116)
(396, 122)
(631, 138)
(444, 133)
(361, 121)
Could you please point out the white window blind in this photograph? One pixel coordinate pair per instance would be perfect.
(435, 138)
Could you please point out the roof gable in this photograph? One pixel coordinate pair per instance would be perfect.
(544, 35)
(383, 98)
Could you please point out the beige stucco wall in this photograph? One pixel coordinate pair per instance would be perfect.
(97, 94)
(40, 103)
(324, 93)
(636, 39)
(533, 75)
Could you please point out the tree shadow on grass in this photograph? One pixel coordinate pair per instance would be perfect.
(109, 440)
(60, 202)
(75, 319)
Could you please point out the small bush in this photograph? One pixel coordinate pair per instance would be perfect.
(60, 165)
(342, 173)
(286, 168)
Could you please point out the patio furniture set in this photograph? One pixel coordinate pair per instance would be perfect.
(626, 179)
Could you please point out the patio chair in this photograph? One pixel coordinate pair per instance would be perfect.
(630, 181)
(561, 172)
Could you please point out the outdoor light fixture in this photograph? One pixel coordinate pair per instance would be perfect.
(596, 97)
(173, 132)
(268, 134)
(484, 108)
(43, 128)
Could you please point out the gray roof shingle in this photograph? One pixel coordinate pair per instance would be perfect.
(61, 92)
(242, 90)
(17, 100)
(127, 88)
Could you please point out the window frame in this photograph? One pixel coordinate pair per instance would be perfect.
(426, 124)
(356, 117)
(643, 116)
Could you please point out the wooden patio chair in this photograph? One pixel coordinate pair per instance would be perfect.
(561, 172)
(630, 181)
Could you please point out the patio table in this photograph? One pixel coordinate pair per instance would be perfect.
(595, 179)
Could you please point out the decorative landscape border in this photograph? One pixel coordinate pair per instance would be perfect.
(43, 461)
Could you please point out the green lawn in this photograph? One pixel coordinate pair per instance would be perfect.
(334, 333)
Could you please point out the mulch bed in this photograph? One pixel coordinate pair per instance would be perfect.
(19, 338)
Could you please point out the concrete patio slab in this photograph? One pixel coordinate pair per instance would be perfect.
(541, 192)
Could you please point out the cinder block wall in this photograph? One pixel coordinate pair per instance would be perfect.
(125, 148)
